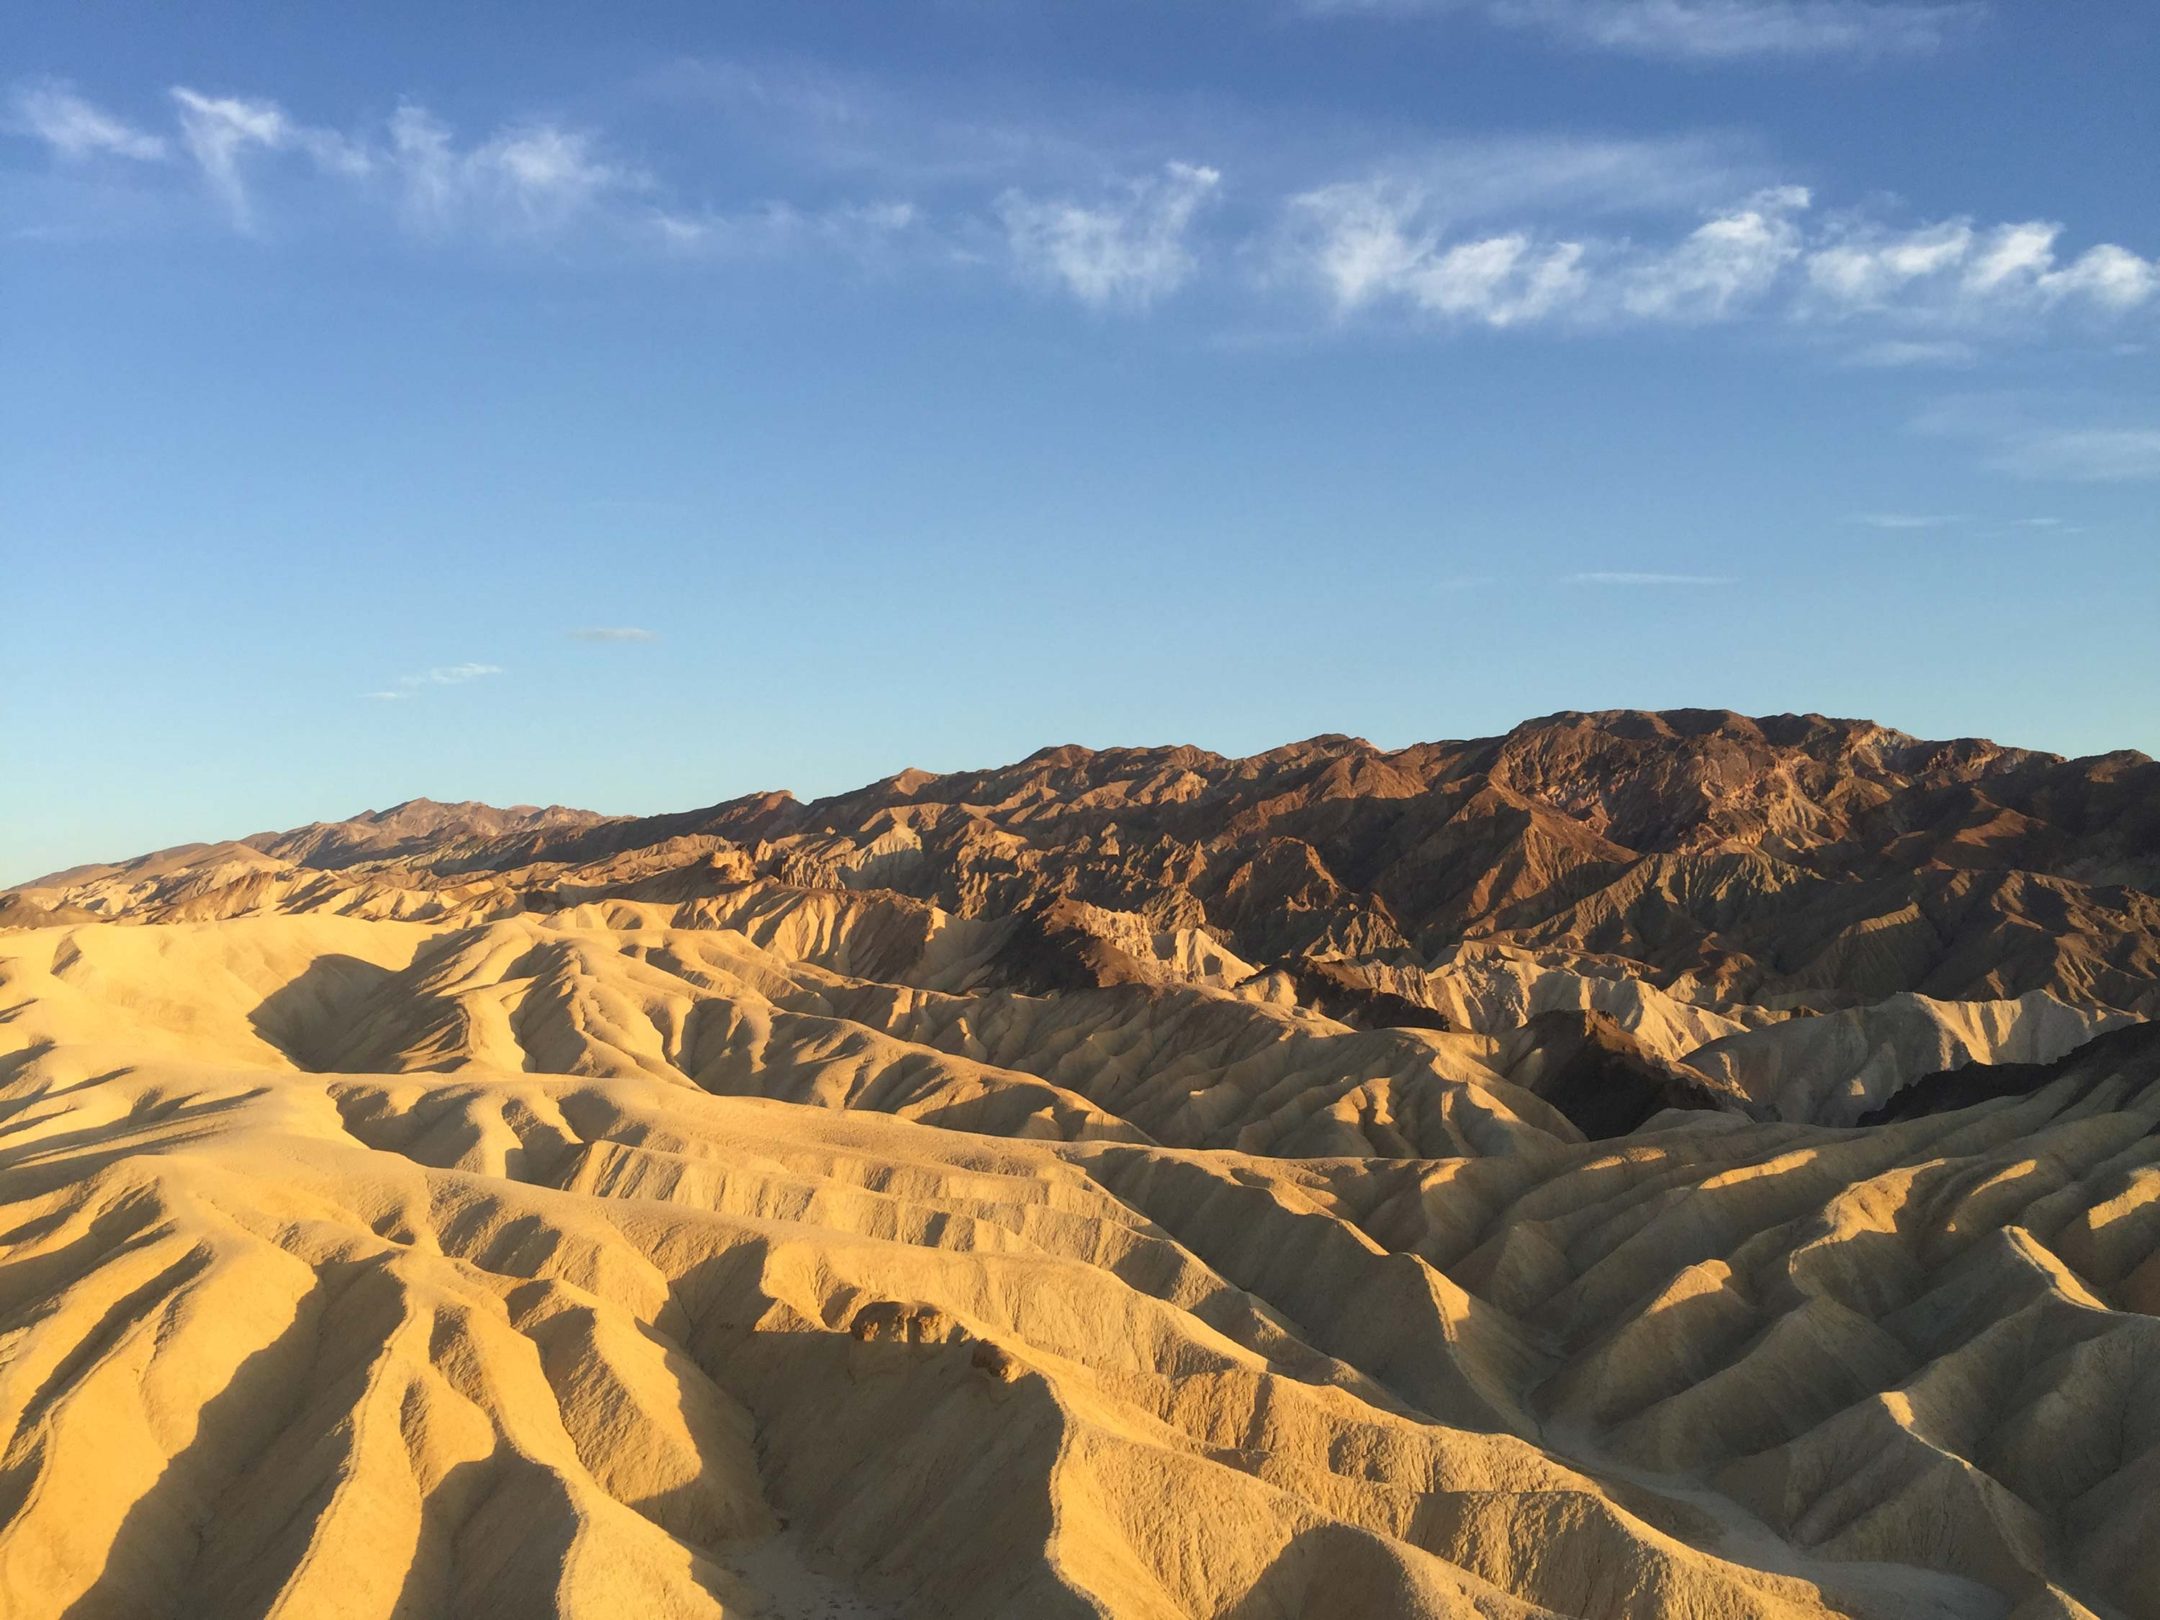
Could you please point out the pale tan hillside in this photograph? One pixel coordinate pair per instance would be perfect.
(771, 1253)
(713, 1008)
(1692, 876)
(1838, 1066)
(1644, 1165)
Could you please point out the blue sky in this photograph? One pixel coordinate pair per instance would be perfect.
(635, 406)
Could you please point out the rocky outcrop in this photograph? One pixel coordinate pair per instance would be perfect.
(1792, 861)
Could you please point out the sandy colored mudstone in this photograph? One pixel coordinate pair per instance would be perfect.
(1643, 1165)
(600, 1266)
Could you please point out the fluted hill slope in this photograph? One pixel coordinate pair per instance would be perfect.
(750, 1009)
(1696, 876)
(607, 1262)
(2132, 1052)
(1480, 1179)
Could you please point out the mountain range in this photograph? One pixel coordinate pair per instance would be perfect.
(1642, 1164)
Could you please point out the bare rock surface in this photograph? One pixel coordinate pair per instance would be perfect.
(1644, 1165)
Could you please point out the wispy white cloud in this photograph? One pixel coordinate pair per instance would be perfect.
(1728, 261)
(217, 132)
(1382, 241)
(1704, 30)
(532, 176)
(74, 128)
(1979, 528)
(854, 230)
(1367, 241)
(429, 163)
(544, 173)
(1899, 353)
(1386, 241)
(1724, 29)
(1905, 520)
(408, 686)
(1498, 232)
(2030, 438)
(525, 179)
(535, 176)
(2109, 455)
(1608, 577)
(1955, 272)
(1873, 267)
(221, 132)
(852, 127)
(1551, 233)
(1574, 176)
(1128, 247)
(452, 674)
(613, 632)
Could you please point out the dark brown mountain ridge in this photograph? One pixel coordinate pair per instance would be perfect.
(1791, 861)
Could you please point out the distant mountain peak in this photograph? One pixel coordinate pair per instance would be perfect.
(1804, 857)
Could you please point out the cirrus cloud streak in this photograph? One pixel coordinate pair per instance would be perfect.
(408, 686)
(1552, 233)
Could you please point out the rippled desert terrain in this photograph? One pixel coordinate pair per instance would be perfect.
(1642, 1165)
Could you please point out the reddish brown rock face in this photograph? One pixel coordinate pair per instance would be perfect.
(1793, 860)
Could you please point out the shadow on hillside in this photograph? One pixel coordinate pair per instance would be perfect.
(912, 1470)
(187, 1545)
(866, 1453)
(318, 1019)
